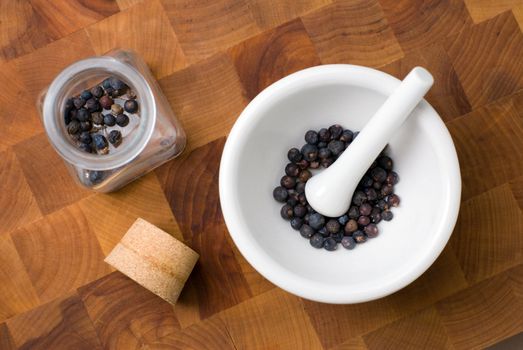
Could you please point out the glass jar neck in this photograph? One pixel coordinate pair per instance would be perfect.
(83, 75)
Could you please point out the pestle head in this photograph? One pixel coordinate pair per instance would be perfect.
(330, 192)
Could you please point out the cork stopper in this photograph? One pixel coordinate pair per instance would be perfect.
(154, 259)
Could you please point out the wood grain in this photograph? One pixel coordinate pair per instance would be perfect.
(446, 95)
(516, 186)
(45, 172)
(518, 14)
(214, 81)
(31, 24)
(422, 330)
(271, 13)
(60, 324)
(487, 237)
(59, 18)
(196, 171)
(442, 279)
(17, 294)
(482, 315)
(126, 315)
(110, 215)
(356, 343)
(420, 23)
(353, 32)
(134, 29)
(515, 278)
(268, 57)
(6, 341)
(74, 258)
(488, 143)
(337, 324)
(212, 58)
(206, 27)
(125, 4)
(257, 283)
(39, 68)
(206, 335)
(20, 31)
(20, 121)
(17, 201)
(187, 311)
(486, 58)
(284, 324)
(481, 10)
(192, 187)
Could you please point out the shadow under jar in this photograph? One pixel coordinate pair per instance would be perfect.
(156, 136)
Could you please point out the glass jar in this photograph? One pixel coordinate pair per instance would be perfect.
(156, 137)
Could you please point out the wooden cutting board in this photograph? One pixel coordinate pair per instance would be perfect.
(211, 58)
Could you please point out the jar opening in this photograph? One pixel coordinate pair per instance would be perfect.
(83, 75)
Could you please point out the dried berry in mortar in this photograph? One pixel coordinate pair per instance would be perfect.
(371, 201)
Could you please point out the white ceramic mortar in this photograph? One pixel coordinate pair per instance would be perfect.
(254, 158)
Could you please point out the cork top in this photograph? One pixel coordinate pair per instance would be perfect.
(154, 259)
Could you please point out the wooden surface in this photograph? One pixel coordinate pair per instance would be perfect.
(211, 58)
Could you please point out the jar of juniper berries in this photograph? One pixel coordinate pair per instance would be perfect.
(105, 143)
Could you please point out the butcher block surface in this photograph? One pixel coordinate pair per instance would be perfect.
(211, 58)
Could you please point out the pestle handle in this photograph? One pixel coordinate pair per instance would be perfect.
(330, 192)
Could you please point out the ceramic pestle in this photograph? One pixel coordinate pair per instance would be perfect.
(330, 192)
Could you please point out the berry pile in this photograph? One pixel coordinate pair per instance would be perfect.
(89, 115)
(371, 202)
